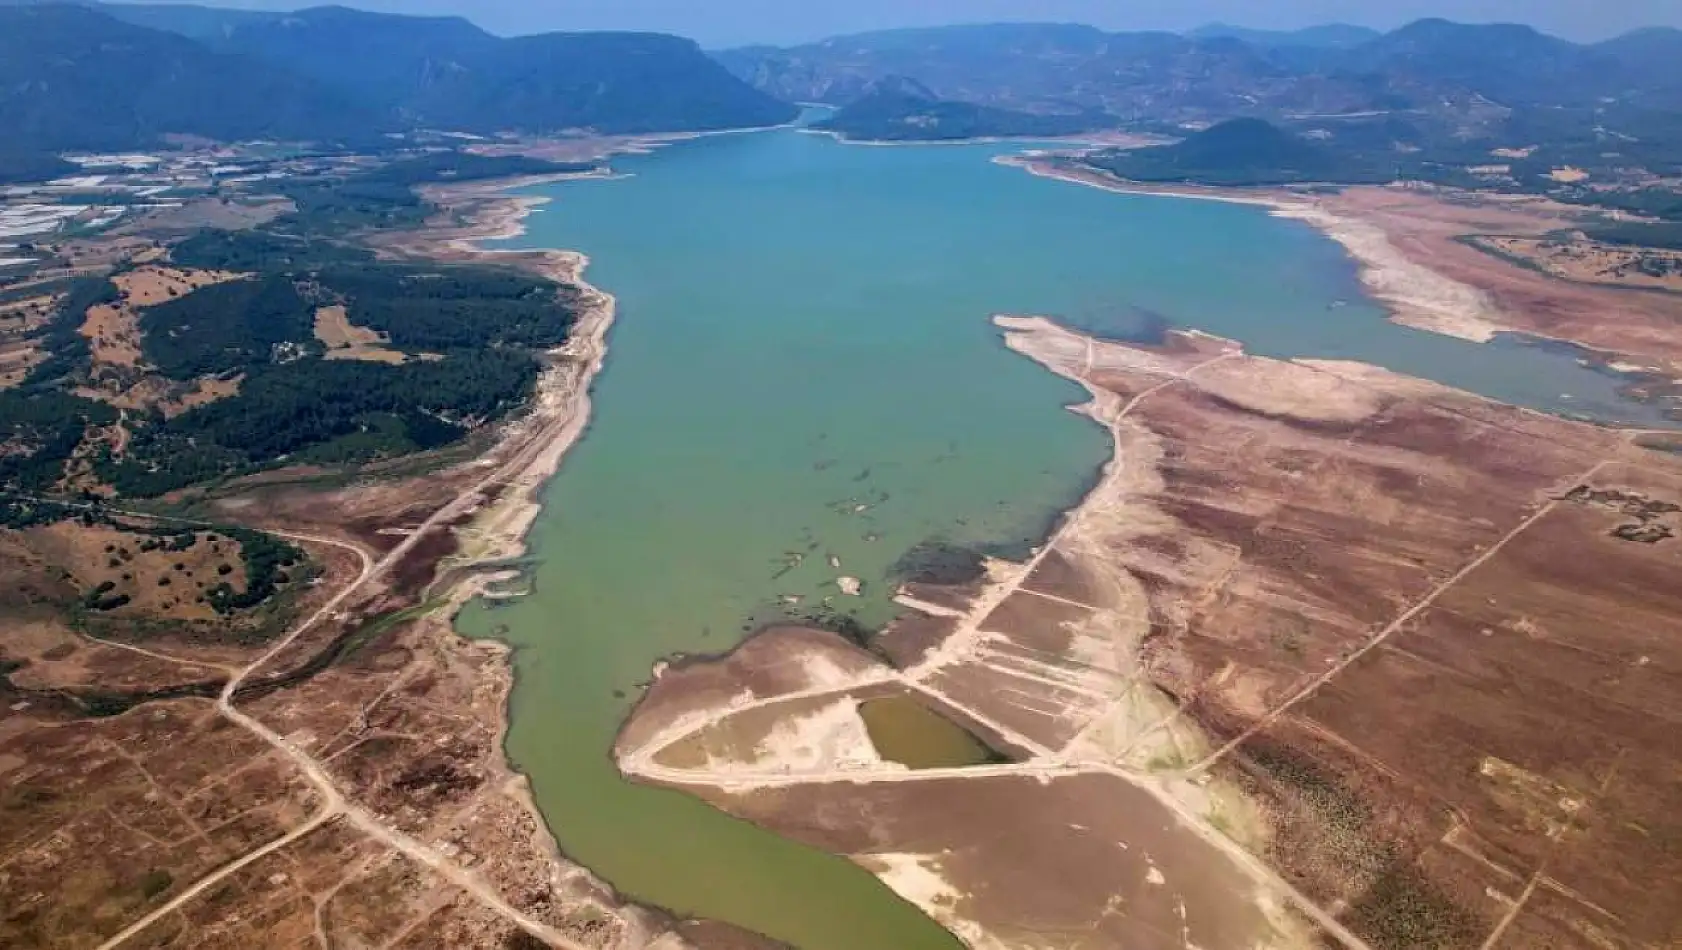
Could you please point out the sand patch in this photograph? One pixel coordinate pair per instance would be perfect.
(1417, 296)
(833, 737)
(152, 285)
(205, 391)
(1297, 390)
(113, 330)
(917, 878)
(113, 333)
(16, 360)
(347, 341)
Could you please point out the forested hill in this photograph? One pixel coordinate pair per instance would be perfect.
(1241, 152)
(444, 72)
(300, 348)
(901, 110)
(73, 78)
(113, 76)
(1470, 75)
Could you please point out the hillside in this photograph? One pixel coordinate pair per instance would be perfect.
(446, 72)
(1458, 74)
(284, 343)
(384, 59)
(1509, 64)
(610, 82)
(76, 77)
(1238, 152)
(73, 78)
(902, 110)
(1329, 36)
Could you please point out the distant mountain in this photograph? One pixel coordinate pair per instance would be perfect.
(1655, 56)
(91, 76)
(610, 82)
(1506, 63)
(901, 109)
(385, 59)
(446, 72)
(74, 78)
(189, 20)
(1048, 68)
(1329, 36)
(1467, 75)
(1655, 48)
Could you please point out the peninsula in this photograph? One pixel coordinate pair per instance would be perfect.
(1266, 544)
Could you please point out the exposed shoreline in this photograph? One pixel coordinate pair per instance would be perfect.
(533, 445)
(1415, 295)
(1187, 802)
(1097, 138)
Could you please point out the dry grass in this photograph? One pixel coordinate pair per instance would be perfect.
(113, 331)
(16, 359)
(1591, 262)
(20, 320)
(347, 341)
(152, 285)
(161, 584)
(205, 391)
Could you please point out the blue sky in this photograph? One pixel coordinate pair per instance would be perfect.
(733, 22)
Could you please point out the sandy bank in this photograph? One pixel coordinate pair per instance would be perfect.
(1416, 295)
(1098, 138)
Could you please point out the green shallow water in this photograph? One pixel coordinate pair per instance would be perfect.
(904, 730)
(804, 330)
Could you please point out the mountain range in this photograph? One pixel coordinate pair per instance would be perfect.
(1462, 73)
(95, 76)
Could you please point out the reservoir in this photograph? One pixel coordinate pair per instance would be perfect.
(803, 373)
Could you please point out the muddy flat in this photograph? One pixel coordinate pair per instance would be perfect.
(1330, 654)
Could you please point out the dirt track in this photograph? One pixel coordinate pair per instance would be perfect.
(1270, 538)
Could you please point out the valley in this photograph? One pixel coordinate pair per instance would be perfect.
(470, 489)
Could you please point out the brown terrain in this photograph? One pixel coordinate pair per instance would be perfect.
(1308, 668)
(347, 341)
(1629, 321)
(326, 771)
(121, 375)
(1331, 656)
(1470, 264)
(1592, 262)
(20, 320)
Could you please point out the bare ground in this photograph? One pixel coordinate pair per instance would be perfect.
(1411, 245)
(1385, 658)
(377, 730)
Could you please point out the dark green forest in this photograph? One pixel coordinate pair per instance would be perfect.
(476, 334)
(1242, 152)
(1254, 152)
(907, 113)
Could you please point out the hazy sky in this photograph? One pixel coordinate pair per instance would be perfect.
(733, 22)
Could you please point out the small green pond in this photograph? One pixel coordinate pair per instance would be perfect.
(906, 731)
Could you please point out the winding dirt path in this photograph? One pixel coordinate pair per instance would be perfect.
(529, 465)
(1044, 764)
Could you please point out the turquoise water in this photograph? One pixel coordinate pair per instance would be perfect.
(803, 330)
